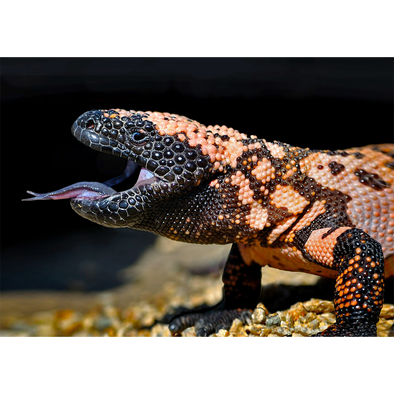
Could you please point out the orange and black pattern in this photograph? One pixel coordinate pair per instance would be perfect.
(329, 213)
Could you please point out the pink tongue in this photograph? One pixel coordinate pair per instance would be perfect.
(91, 190)
(77, 190)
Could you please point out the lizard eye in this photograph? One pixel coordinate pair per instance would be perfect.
(138, 137)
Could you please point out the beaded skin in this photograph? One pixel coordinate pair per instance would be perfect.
(329, 213)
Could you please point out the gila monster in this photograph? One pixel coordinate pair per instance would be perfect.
(329, 213)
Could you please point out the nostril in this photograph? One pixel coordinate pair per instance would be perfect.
(90, 124)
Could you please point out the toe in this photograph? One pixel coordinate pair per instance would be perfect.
(209, 322)
(356, 329)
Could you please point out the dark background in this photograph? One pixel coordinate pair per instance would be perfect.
(319, 103)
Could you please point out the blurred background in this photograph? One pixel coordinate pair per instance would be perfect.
(318, 103)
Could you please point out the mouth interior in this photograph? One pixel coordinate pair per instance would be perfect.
(94, 190)
(133, 173)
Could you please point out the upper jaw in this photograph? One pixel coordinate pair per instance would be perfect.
(87, 130)
(92, 138)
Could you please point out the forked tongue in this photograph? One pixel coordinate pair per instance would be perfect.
(90, 190)
(77, 190)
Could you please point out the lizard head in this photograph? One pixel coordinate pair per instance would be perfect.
(168, 155)
(159, 156)
(188, 179)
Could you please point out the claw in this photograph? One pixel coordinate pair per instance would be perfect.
(208, 323)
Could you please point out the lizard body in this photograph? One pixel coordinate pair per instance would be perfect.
(329, 213)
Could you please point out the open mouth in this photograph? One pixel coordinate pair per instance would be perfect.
(96, 190)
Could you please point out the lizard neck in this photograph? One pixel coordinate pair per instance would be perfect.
(261, 185)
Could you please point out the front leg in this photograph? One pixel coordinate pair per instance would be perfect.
(359, 287)
(241, 292)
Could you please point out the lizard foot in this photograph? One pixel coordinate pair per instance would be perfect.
(208, 323)
(356, 329)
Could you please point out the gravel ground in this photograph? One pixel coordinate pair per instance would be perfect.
(184, 275)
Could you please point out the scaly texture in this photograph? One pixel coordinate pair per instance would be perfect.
(329, 213)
